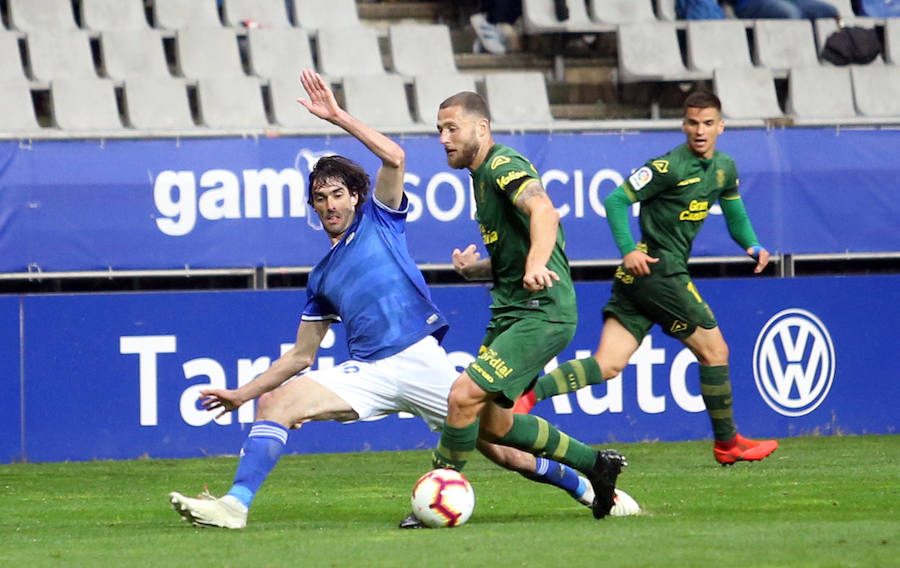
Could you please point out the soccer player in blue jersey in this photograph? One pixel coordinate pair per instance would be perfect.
(369, 282)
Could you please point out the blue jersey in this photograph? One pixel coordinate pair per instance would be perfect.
(369, 282)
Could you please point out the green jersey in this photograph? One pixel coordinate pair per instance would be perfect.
(676, 192)
(507, 237)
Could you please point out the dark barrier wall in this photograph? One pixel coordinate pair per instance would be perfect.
(82, 205)
(116, 375)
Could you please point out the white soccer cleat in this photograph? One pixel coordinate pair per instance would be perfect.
(208, 511)
(586, 498)
(625, 505)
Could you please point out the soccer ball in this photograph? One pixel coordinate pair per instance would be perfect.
(443, 498)
(625, 505)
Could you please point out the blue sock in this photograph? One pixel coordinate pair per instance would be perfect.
(260, 453)
(554, 473)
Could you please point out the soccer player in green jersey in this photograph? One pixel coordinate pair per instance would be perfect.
(652, 286)
(533, 313)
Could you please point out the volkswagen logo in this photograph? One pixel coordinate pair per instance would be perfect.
(793, 362)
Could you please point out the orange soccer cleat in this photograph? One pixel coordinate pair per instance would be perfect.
(525, 403)
(740, 448)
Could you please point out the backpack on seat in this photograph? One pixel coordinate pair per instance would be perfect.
(851, 45)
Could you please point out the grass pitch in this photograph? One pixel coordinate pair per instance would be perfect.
(818, 501)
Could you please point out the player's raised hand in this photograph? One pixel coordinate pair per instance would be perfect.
(762, 258)
(464, 258)
(213, 399)
(638, 263)
(321, 99)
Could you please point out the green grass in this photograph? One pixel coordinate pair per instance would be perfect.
(818, 501)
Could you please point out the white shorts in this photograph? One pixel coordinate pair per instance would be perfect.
(416, 380)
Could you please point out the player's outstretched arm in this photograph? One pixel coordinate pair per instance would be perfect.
(389, 181)
(469, 264)
(543, 223)
(296, 359)
(635, 261)
(741, 230)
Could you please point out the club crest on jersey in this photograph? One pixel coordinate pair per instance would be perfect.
(640, 178)
(720, 178)
(499, 161)
(662, 166)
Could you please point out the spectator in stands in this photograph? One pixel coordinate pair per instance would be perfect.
(493, 24)
(785, 9)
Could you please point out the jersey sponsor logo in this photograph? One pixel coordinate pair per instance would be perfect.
(696, 211)
(624, 276)
(688, 181)
(493, 360)
(677, 326)
(489, 237)
(640, 178)
(349, 368)
(793, 362)
(720, 178)
(662, 166)
(499, 161)
(507, 179)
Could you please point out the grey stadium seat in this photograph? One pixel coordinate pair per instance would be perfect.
(279, 52)
(747, 93)
(518, 98)
(539, 17)
(378, 100)
(48, 15)
(316, 14)
(651, 52)
(85, 104)
(287, 112)
(208, 52)
(806, 86)
(783, 44)
(876, 90)
(231, 103)
(421, 48)
(100, 15)
(431, 90)
(153, 103)
(892, 40)
(18, 108)
(10, 57)
(621, 11)
(266, 13)
(60, 55)
(717, 43)
(349, 51)
(133, 53)
(180, 14)
(665, 9)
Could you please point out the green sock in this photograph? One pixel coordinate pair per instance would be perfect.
(716, 390)
(455, 446)
(536, 435)
(568, 377)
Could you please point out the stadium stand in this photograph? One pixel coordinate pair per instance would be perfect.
(349, 51)
(85, 104)
(279, 52)
(60, 54)
(417, 49)
(255, 13)
(116, 15)
(156, 103)
(15, 98)
(178, 14)
(283, 92)
(315, 14)
(539, 17)
(133, 53)
(651, 52)
(892, 41)
(746, 93)
(518, 99)
(717, 43)
(665, 10)
(378, 100)
(208, 52)
(805, 87)
(621, 11)
(10, 58)
(231, 103)
(876, 90)
(784, 44)
(48, 15)
(430, 91)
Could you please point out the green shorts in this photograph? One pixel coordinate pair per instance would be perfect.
(672, 301)
(514, 352)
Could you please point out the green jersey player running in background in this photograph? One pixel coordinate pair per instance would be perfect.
(533, 314)
(652, 286)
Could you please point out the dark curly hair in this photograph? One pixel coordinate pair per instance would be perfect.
(343, 170)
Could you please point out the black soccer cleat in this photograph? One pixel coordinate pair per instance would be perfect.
(411, 522)
(603, 479)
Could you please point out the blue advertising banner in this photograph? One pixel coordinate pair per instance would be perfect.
(117, 375)
(10, 381)
(157, 204)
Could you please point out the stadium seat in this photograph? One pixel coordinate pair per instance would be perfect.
(133, 53)
(154, 103)
(806, 86)
(208, 52)
(60, 54)
(18, 108)
(85, 104)
(621, 11)
(178, 14)
(119, 15)
(231, 103)
(265, 13)
(287, 112)
(349, 51)
(279, 52)
(651, 52)
(717, 43)
(539, 17)
(316, 14)
(10, 57)
(876, 90)
(845, 9)
(518, 98)
(431, 90)
(783, 44)
(747, 92)
(892, 41)
(417, 49)
(665, 10)
(48, 15)
(378, 100)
